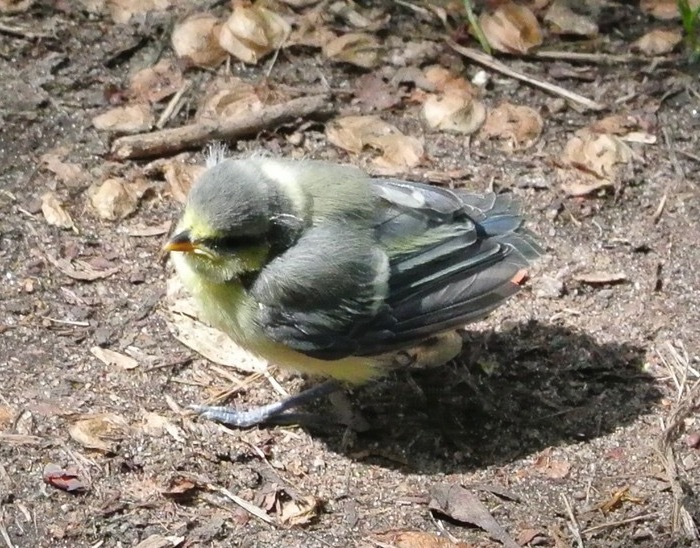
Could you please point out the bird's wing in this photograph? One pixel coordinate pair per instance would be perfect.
(438, 259)
(316, 297)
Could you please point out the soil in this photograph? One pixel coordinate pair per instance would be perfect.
(569, 414)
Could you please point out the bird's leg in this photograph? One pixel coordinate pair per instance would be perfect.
(274, 412)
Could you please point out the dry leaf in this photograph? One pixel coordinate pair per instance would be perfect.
(442, 79)
(126, 119)
(596, 154)
(299, 511)
(15, 6)
(358, 49)
(197, 39)
(519, 126)
(80, 270)
(141, 231)
(6, 414)
(54, 213)
(116, 199)
(416, 539)
(457, 503)
(563, 20)
(512, 28)
(353, 133)
(615, 124)
(156, 425)
(250, 33)
(180, 177)
(66, 172)
(551, 467)
(617, 499)
(311, 30)
(153, 84)
(110, 357)
(233, 98)
(123, 10)
(66, 479)
(658, 41)
(665, 9)
(100, 431)
(455, 112)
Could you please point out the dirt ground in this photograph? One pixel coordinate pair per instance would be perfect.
(569, 415)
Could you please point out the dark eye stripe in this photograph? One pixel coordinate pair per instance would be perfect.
(232, 243)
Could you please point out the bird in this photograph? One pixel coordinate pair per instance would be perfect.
(324, 269)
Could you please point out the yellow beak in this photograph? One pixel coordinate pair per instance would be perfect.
(181, 243)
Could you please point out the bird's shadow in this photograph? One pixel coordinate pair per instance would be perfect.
(508, 395)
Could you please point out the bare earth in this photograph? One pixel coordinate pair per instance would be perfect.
(554, 416)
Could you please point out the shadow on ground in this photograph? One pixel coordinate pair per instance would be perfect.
(510, 395)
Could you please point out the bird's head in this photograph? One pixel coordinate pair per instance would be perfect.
(225, 231)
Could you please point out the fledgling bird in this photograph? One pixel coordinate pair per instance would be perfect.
(320, 268)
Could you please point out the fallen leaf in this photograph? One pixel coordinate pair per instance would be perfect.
(665, 9)
(126, 119)
(512, 28)
(596, 154)
(230, 99)
(353, 133)
(153, 84)
(372, 91)
(455, 112)
(519, 126)
(116, 199)
(563, 20)
(416, 539)
(54, 213)
(551, 467)
(311, 30)
(299, 511)
(66, 479)
(100, 431)
(15, 6)
(6, 414)
(617, 499)
(358, 49)
(251, 33)
(658, 41)
(197, 40)
(80, 270)
(180, 485)
(111, 358)
(68, 173)
(457, 503)
(597, 277)
(156, 425)
(180, 177)
(141, 231)
(123, 10)
(615, 124)
(527, 535)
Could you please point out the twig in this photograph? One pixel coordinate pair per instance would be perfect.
(573, 523)
(660, 208)
(247, 506)
(173, 105)
(612, 524)
(21, 32)
(496, 65)
(597, 58)
(170, 141)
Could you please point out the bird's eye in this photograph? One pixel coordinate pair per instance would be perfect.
(229, 244)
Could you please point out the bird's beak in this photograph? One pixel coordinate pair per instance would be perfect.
(180, 242)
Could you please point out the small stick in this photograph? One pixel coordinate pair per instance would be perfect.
(21, 32)
(247, 506)
(170, 141)
(597, 58)
(573, 523)
(172, 106)
(496, 65)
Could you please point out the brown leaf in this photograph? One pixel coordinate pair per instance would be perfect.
(658, 41)
(457, 503)
(454, 111)
(123, 10)
(116, 199)
(15, 6)
(416, 539)
(180, 177)
(54, 213)
(617, 499)
(519, 126)
(127, 119)
(80, 270)
(251, 33)
(156, 425)
(372, 91)
(197, 40)
(615, 124)
(100, 431)
(111, 358)
(665, 9)
(311, 30)
(66, 172)
(353, 133)
(357, 49)
(160, 541)
(299, 511)
(551, 467)
(66, 479)
(233, 98)
(512, 28)
(596, 154)
(563, 20)
(153, 84)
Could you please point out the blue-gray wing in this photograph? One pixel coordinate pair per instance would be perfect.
(432, 260)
